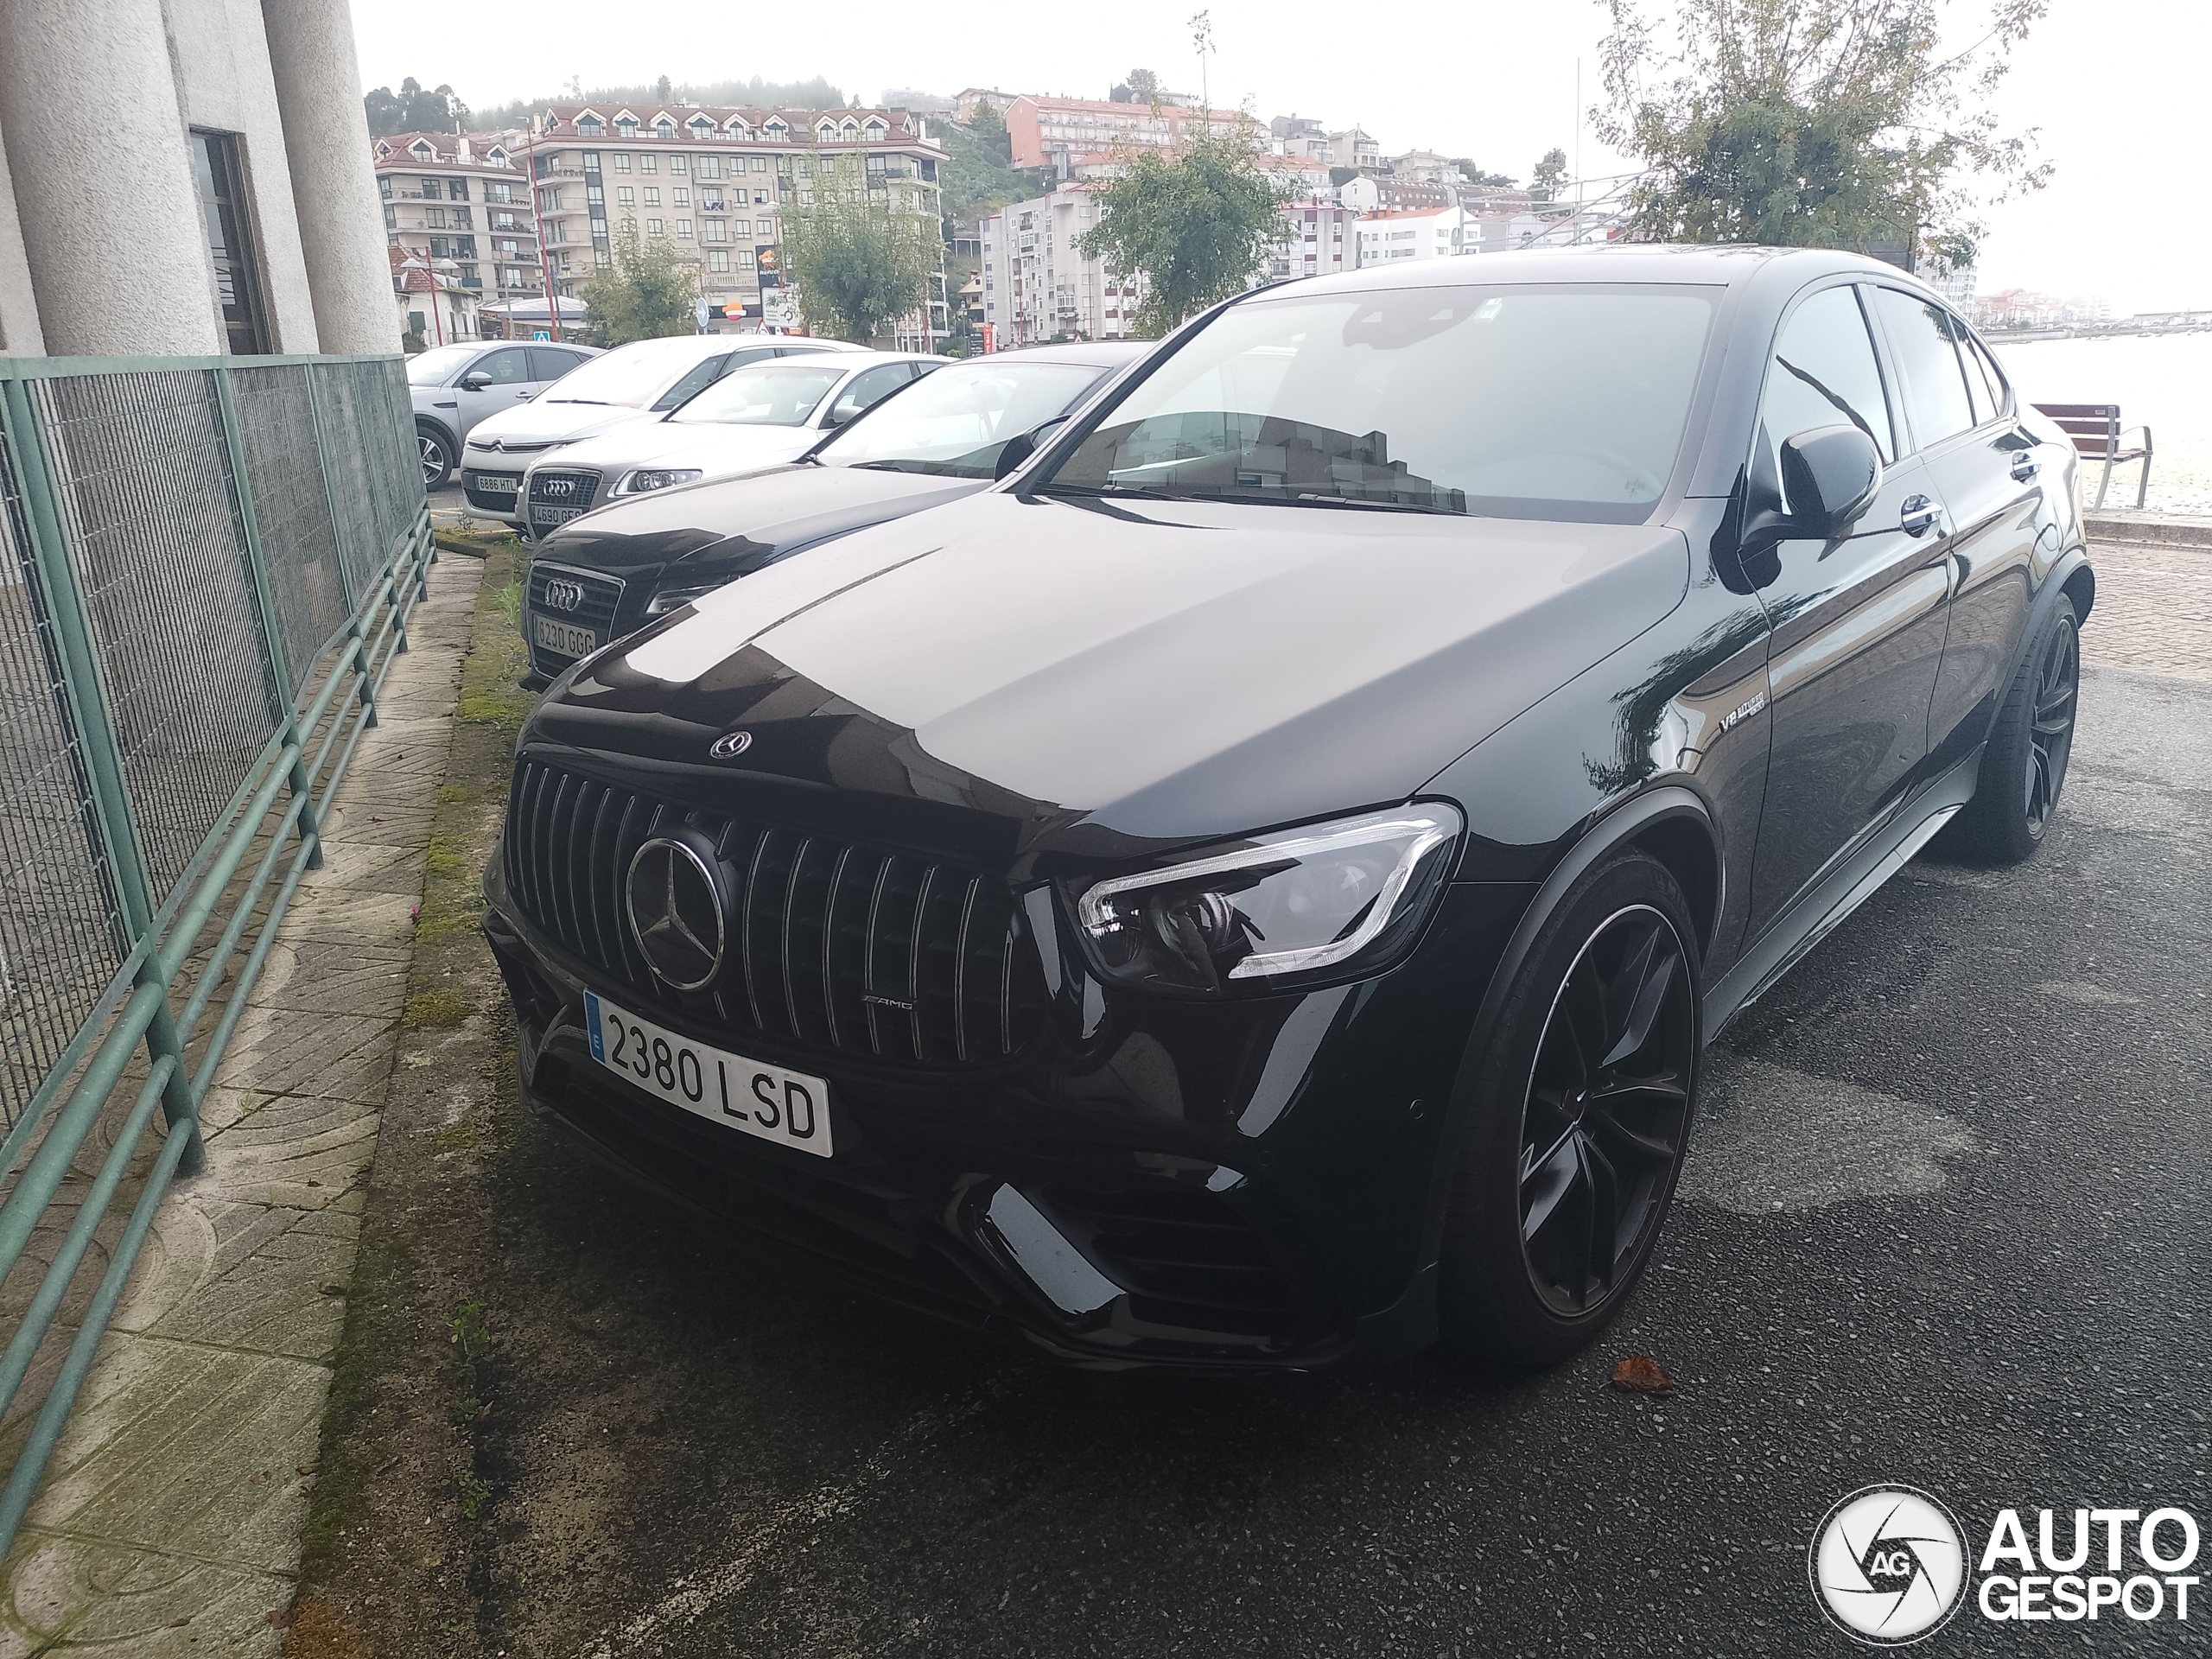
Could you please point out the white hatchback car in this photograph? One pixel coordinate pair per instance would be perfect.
(627, 383)
(758, 415)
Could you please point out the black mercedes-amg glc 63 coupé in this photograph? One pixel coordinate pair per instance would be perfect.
(1253, 886)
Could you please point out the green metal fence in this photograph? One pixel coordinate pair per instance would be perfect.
(207, 567)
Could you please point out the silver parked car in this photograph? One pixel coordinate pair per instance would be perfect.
(454, 387)
(627, 383)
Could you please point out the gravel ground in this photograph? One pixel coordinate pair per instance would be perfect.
(1947, 1224)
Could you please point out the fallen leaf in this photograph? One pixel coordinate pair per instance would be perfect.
(309, 1468)
(332, 1288)
(1640, 1374)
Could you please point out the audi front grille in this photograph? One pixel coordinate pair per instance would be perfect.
(832, 945)
(595, 598)
(557, 495)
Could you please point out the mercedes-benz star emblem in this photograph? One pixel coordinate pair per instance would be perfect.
(730, 745)
(563, 595)
(676, 911)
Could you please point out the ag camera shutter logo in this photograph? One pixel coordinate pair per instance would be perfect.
(1888, 1566)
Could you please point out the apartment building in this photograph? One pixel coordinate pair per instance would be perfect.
(1354, 147)
(712, 184)
(1038, 286)
(1055, 131)
(1302, 135)
(1324, 237)
(1417, 233)
(458, 204)
(186, 179)
(1387, 194)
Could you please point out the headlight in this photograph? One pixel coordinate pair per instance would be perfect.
(673, 599)
(660, 478)
(1336, 901)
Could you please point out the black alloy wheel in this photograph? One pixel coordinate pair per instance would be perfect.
(2024, 767)
(437, 462)
(1606, 1109)
(1576, 1120)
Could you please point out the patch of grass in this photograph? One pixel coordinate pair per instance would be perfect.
(463, 1136)
(445, 857)
(495, 706)
(507, 597)
(450, 792)
(436, 1010)
(471, 1491)
(467, 1410)
(472, 1329)
(444, 913)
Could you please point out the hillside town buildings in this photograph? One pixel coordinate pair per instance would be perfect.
(459, 218)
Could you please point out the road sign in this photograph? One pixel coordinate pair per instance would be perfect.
(541, 334)
(779, 308)
(700, 312)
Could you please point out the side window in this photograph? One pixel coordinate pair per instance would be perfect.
(1936, 401)
(871, 387)
(510, 367)
(701, 376)
(1823, 373)
(547, 363)
(917, 370)
(1983, 378)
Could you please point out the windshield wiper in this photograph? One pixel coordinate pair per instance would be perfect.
(1367, 504)
(602, 402)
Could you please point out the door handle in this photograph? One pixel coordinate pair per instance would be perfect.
(1919, 516)
(2024, 467)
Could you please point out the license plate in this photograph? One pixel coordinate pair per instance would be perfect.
(566, 637)
(492, 484)
(788, 1108)
(546, 518)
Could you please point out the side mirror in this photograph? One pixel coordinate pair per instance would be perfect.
(1022, 445)
(475, 380)
(1829, 475)
(843, 410)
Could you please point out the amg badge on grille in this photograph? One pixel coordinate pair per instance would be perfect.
(730, 745)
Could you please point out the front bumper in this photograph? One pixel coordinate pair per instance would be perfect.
(504, 504)
(1146, 1183)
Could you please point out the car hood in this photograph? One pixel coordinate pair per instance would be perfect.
(741, 523)
(545, 421)
(1052, 679)
(718, 451)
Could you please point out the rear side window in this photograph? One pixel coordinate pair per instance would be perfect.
(866, 389)
(1985, 380)
(510, 367)
(1935, 388)
(549, 362)
(1824, 373)
(701, 376)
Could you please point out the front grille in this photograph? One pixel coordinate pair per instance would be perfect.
(559, 494)
(595, 598)
(1187, 1256)
(830, 944)
(493, 500)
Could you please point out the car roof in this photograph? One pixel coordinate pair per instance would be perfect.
(1722, 265)
(852, 360)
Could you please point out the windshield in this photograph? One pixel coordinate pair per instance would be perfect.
(433, 366)
(955, 422)
(1533, 401)
(627, 378)
(766, 394)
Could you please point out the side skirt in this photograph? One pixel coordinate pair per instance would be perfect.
(1822, 910)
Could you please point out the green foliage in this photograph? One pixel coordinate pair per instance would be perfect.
(1198, 224)
(1138, 86)
(977, 176)
(1474, 175)
(645, 295)
(1341, 176)
(472, 1329)
(858, 266)
(413, 109)
(1547, 179)
(1812, 122)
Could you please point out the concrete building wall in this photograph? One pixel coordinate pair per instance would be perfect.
(224, 83)
(19, 329)
(110, 219)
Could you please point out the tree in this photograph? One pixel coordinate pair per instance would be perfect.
(661, 90)
(978, 176)
(1813, 123)
(1138, 86)
(645, 294)
(412, 109)
(1547, 179)
(1197, 225)
(858, 266)
(1474, 175)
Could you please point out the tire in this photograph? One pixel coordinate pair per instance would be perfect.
(1532, 1268)
(438, 455)
(2024, 767)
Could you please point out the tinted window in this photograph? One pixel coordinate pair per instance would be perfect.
(701, 377)
(1935, 389)
(1824, 373)
(549, 363)
(872, 387)
(1983, 378)
(1521, 401)
(510, 367)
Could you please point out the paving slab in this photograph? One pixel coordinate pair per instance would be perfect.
(169, 1520)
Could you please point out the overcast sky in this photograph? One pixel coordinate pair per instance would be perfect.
(2116, 88)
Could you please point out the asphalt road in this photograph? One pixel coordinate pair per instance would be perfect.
(1949, 1222)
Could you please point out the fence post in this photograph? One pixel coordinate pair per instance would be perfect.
(287, 728)
(364, 690)
(103, 756)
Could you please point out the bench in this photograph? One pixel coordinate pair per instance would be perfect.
(2097, 435)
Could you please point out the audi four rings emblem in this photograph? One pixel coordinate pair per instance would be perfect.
(555, 486)
(563, 595)
(730, 745)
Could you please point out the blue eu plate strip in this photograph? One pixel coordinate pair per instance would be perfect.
(591, 1021)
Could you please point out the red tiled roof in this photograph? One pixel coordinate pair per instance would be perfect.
(899, 123)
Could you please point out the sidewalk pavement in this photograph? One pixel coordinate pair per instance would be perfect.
(169, 1522)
